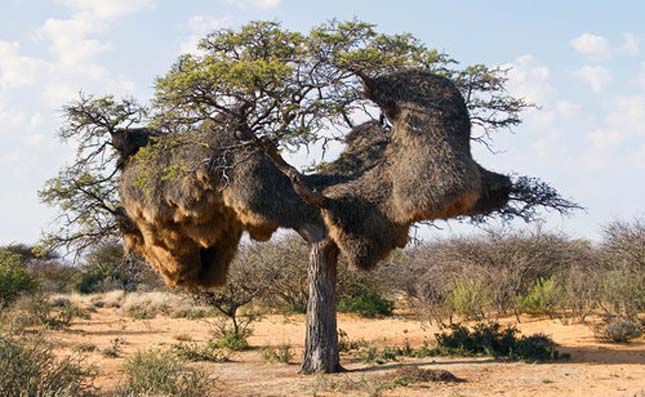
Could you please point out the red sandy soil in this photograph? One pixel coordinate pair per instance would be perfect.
(595, 369)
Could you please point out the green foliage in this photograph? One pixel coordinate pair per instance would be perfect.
(622, 291)
(367, 304)
(544, 298)
(107, 268)
(281, 354)
(85, 192)
(468, 298)
(29, 368)
(194, 352)
(14, 279)
(490, 339)
(161, 373)
(232, 341)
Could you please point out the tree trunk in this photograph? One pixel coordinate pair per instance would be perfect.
(321, 343)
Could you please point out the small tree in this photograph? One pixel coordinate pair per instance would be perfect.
(243, 285)
(207, 165)
(14, 278)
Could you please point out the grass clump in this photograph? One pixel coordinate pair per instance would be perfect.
(161, 373)
(85, 347)
(114, 349)
(367, 304)
(490, 339)
(618, 330)
(30, 369)
(192, 312)
(281, 354)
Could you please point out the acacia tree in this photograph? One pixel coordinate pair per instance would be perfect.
(204, 164)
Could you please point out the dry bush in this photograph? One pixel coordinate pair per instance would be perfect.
(29, 368)
(618, 330)
(622, 276)
(281, 354)
(283, 268)
(483, 276)
(146, 305)
(37, 312)
(234, 300)
(161, 373)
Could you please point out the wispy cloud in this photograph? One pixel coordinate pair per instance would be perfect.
(596, 77)
(592, 45)
(600, 48)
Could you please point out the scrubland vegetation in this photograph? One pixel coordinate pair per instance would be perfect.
(447, 284)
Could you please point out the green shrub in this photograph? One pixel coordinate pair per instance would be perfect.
(30, 369)
(468, 298)
(195, 352)
(369, 353)
(232, 341)
(161, 373)
(622, 292)
(14, 279)
(367, 304)
(490, 339)
(281, 354)
(91, 281)
(619, 331)
(544, 298)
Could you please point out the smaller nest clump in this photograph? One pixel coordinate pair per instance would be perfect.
(414, 374)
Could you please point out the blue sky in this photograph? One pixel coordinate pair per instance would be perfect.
(582, 61)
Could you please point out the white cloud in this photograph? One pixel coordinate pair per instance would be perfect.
(602, 139)
(199, 26)
(596, 77)
(621, 133)
(630, 44)
(529, 80)
(262, 4)
(17, 70)
(567, 109)
(592, 45)
(69, 41)
(629, 114)
(640, 78)
(106, 9)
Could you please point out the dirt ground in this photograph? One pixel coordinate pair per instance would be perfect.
(595, 369)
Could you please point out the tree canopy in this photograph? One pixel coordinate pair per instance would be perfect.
(285, 90)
